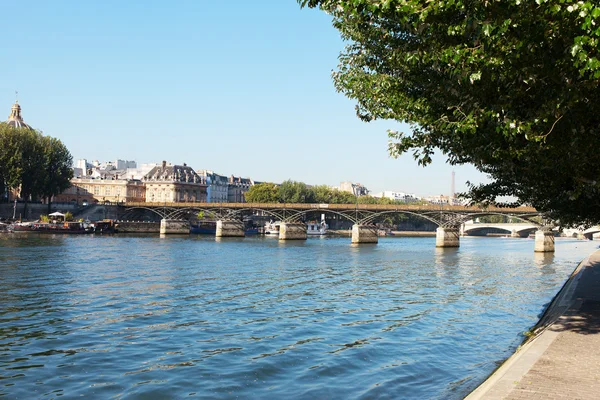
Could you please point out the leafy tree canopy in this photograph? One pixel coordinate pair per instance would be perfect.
(262, 193)
(509, 86)
(40, 166)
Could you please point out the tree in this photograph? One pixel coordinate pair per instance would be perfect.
(57, 173)
(509, 86)
(295, 192)
(37, 165)
(263, 193)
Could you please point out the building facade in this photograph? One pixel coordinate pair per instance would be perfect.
(101, 191)
(398, 196)
(217, 186)
(174, 183)
(237, 188)
(355, 188)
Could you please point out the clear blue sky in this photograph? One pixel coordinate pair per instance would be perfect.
(240, 87)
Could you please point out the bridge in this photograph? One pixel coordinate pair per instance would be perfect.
(229, 218)
(512, 229)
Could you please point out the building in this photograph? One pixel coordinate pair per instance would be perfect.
(174, 183)
(439, 200)
(237, 188)
(98, 190)
(355, 188)
(15, 119)
(217, 186)
(398, 196)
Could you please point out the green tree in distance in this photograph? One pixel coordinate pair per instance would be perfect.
(57, 173)
(295, 192)
(509, 86)
(262, 193)
(37, 165)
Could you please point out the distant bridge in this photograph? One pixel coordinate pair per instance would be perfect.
(360, 214)
(513, 229)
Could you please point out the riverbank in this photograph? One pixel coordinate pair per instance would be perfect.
(562, 358)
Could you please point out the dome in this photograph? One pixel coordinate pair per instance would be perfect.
(14, 119)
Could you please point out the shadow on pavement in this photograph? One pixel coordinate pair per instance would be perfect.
(585, 321)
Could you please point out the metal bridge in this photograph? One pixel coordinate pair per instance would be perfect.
(360, 214)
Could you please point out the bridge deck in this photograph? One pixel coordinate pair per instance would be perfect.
(342, 207)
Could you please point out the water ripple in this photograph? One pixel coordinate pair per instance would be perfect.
(143, 317)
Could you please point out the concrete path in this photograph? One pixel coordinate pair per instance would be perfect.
(563, 360)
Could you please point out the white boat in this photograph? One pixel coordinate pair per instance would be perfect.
(271, 228)
(316, 228)
(313, 228)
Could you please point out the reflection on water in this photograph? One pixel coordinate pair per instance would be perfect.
(152, 317)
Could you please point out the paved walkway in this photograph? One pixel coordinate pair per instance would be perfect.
(563, 361)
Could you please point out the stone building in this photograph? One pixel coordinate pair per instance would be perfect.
(14, 119)
(174, 183)
(94, 191)
(355, 188)
(217, 186)
(237, 188)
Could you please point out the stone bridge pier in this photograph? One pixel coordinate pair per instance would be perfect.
(292, 231)
(173, 226)
(364, 234)
(447, 237)
(544, 241)
(230, 229)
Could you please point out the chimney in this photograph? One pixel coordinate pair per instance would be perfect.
(164, 164)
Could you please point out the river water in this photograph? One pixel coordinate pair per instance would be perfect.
(153, 318)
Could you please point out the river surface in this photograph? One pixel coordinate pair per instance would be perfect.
(149, 318)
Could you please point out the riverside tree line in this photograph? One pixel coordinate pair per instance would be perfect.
(38, 166)
(299, 192)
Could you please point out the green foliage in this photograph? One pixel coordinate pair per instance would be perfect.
(262, 193)
(68, 216)
(295, 192)
(40, 166)
(44, 218)
(509, 86)
(299, 192)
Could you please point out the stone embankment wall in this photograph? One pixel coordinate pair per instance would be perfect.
(137, 227)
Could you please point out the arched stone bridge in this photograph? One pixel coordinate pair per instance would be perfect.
(513, 229)
(229, 215)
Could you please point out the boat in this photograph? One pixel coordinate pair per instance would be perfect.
(271, 228)
(49, 227)
(313, 228)
(204, 228)
(105, 226)
(316, 228)
(210, 228)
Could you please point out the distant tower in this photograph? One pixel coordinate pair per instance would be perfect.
(452, 187)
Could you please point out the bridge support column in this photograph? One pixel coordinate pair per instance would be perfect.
(447, 237)
(514, 234)
(364, 234)
(168, 226)
(230, 229)
(292, 231)
(544, 241)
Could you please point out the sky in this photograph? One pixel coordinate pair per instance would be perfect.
(238, 87)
